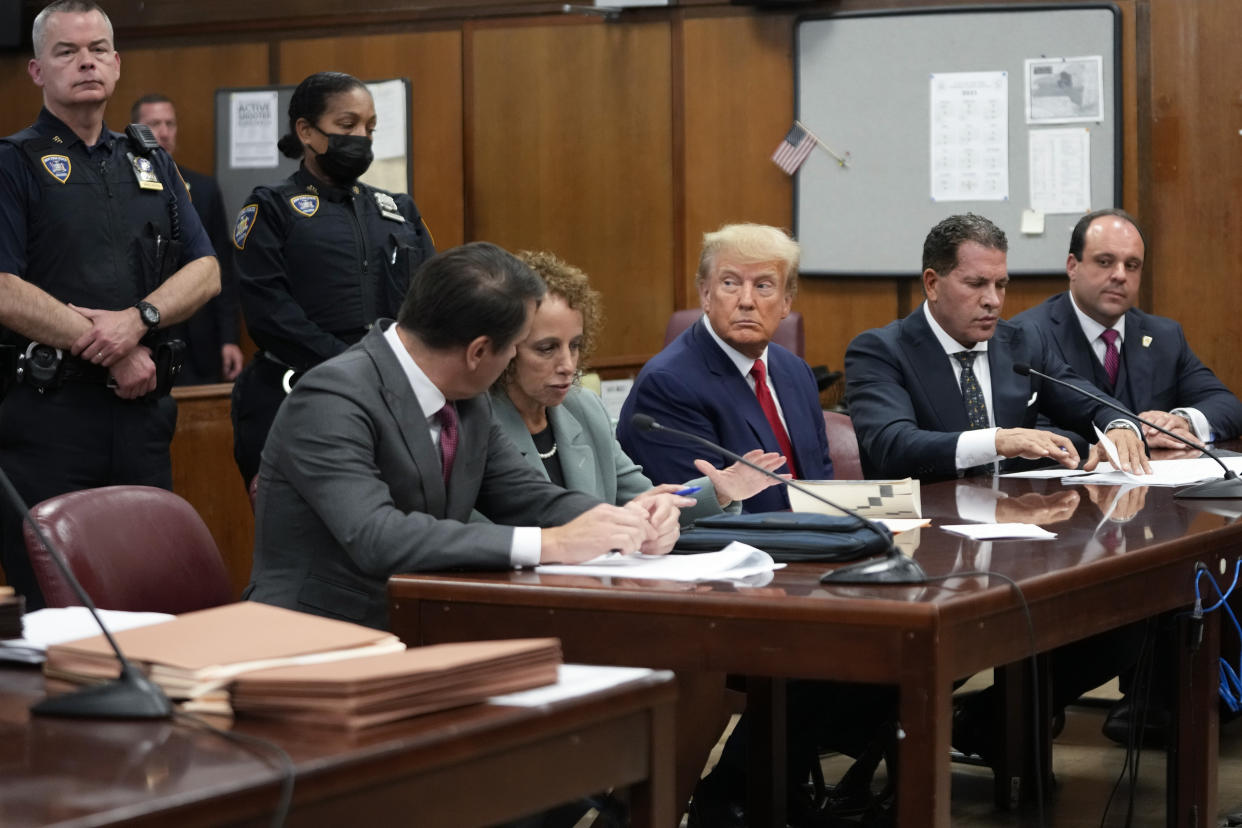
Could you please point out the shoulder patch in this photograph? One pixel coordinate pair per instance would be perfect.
(307, 205)
(245, 222)
(59, 166)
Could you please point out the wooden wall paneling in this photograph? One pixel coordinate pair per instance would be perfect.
(205, 474)
(569, 136)
(190, 76)
(1192, 214)
(21, 98)
(433, 63)
(739, 91)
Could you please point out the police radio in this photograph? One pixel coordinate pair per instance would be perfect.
(143, 139)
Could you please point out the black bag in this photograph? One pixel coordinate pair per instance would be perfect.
(789, 537)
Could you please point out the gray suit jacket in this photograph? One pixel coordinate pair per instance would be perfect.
(351, 492)
(591, 458)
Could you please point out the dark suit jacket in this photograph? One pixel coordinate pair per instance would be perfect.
(907, 406)
(215, 323)
(1158, 376)
(691, 385)
(351, 492)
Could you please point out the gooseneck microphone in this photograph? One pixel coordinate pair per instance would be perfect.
(129, 696)
(893, 568)
(1230, 486)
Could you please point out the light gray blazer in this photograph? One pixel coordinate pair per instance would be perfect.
(591, 458)
(351, 491)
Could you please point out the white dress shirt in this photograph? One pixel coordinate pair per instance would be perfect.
(1094, 331)
(527, 541)
(744, 363)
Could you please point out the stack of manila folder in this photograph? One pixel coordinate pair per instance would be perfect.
(255, 658)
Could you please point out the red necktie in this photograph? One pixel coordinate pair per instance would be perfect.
(448, 438)
(769, 410)
(1112, 358)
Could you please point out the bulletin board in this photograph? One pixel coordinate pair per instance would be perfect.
(932, 106)
(250, 120)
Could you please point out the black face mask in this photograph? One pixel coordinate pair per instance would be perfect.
(347, 157)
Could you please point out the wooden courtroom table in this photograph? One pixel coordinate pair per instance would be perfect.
(920, 638)
(473, 766)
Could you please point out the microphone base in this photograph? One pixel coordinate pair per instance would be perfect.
(894, 568)
(132, 696)
(1226, 488)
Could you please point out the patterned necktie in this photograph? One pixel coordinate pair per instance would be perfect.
(972, 394)
(1112, 357)
(769, 410)
(448, 438)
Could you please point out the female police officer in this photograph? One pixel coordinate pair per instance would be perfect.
(320, 255)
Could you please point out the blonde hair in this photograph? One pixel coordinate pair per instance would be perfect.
(751, 243)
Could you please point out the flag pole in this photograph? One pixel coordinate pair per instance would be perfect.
(841, 161)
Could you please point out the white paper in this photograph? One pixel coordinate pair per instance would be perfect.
(254, 120)
(1060, 166)
(995, 531)
(734, 562)
(1050, 473)
(391, 136)
(613, 393)
(573, 681)
(1064, 90)
(1032, 223)
(1163, 472)
(43, 628)
(970, 136)
(1114, 459)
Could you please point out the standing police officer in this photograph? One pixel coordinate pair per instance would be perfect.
(321, 255)
(99, 250)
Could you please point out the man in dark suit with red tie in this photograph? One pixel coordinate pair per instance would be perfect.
(724, 379)
(1141, 359)
(1145, 362)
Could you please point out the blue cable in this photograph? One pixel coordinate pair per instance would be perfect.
(1230, 680)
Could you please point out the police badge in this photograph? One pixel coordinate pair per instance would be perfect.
(388, 207)
(245, 223)
(144, 172)
(59, 166)
(307, 205)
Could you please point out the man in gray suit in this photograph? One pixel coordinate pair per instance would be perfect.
(377, 457)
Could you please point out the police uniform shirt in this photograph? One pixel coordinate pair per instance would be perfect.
(81, 244)
(318, 264)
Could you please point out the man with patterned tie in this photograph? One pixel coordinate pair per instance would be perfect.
(934, 395)
(378, 456)
(1141, 359)
(724, 379)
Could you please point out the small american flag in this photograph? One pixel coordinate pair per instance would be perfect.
(794, 150)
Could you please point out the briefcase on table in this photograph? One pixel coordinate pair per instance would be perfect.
(789, 537)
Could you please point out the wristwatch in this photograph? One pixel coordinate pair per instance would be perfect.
(150, 315)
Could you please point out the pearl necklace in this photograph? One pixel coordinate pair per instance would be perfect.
(547, 456)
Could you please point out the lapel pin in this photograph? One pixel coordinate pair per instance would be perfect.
(1146, 341)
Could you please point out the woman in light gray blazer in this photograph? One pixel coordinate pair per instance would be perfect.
(564, 431)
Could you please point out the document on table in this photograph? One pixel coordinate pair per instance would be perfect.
(734, 562)
(575, 680)
(45, 627)
(997, 531)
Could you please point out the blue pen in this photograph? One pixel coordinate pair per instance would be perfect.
(689, 490)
